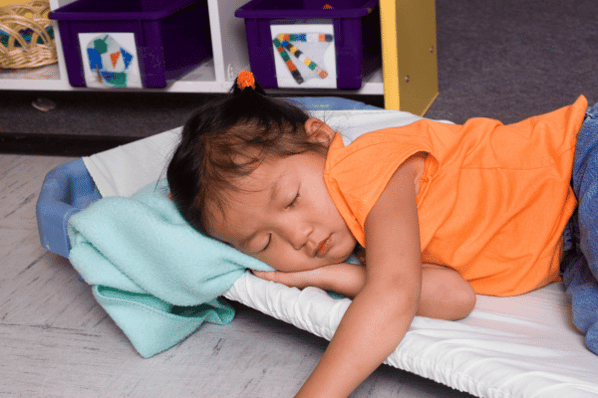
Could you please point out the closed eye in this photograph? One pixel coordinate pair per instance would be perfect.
(294, 201)
(267, 243)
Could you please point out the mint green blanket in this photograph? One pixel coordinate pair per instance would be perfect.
(156, 277)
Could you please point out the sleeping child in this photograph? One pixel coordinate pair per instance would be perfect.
(437, 213)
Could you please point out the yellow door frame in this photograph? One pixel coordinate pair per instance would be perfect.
(409, 62)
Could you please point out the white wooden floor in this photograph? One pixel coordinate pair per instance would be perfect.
(55, 341)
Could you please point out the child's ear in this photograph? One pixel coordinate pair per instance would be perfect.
(318, 131)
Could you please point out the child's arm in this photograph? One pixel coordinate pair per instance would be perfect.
(381, 313)
(445, 294)
(344, 278)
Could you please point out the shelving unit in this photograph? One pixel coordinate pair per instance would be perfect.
(230, 56)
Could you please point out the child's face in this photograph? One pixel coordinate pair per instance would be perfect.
(284, 216)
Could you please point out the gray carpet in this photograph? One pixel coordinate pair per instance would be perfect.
(505, 59)
(511, 59)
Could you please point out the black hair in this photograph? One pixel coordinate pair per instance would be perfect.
(228, 138)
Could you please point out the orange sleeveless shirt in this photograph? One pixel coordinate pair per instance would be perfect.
(494, 199)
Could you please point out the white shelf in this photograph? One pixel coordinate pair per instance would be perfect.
(216, 75)
(199, 80)
(43, 78)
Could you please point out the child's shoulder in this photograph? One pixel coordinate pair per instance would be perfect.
(385, 148)
(389, 138)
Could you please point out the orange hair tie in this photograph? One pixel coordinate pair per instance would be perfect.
(245, 79)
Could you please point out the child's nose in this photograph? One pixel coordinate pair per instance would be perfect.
(297, 235)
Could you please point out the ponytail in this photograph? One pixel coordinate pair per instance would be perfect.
(244, 80)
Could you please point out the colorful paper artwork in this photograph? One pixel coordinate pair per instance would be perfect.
(110, 60)
(305, 55)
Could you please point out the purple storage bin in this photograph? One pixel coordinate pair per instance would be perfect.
(352, 26)
(132, 43)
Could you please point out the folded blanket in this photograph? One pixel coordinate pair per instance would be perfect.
(156, 276)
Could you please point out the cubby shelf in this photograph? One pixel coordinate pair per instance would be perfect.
(230, 56)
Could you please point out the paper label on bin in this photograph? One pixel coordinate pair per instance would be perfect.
(110, 60)
(304, 55)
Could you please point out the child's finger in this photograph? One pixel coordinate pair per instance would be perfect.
(267, 275)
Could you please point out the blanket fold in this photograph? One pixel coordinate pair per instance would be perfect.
(157, 277)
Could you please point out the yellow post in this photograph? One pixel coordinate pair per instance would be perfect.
(7, 2)
(409, 62)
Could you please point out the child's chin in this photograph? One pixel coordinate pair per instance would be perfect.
(340, 259)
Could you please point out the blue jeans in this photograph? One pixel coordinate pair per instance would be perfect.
(580, 265)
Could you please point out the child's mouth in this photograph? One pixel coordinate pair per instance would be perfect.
(323, 247)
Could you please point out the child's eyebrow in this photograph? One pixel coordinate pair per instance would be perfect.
(274, 190)
(275, 187)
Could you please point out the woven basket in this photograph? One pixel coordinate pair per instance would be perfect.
(26, 32)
